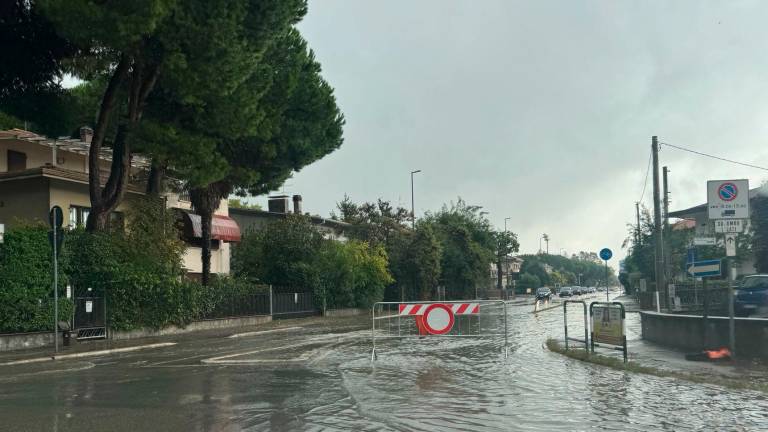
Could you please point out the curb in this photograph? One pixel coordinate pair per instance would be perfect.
(88, 354)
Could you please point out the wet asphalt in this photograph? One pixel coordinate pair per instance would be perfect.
(318, 375)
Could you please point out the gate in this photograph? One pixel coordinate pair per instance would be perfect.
(447, 319)
(293, 304)
(90, 320)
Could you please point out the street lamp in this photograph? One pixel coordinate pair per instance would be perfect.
(546, 240)
(413, 211)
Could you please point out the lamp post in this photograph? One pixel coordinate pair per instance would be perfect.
(546, 240)
(413, 210)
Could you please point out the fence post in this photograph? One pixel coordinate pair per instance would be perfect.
(270, 300)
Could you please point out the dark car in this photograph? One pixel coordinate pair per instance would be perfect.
(565, 292)
(752, 296)
(576, 290)
(543, 294)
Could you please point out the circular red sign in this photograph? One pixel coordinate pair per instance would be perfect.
(438, 319)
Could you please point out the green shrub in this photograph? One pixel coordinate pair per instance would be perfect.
(292, 253)
(26, 281)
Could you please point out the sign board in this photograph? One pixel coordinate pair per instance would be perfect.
(728, 199)
(56, 217)
(706, 268)
(605, 254)
(704, 241)
(691, 256)
(88, 306)
(729, 225)
(2, 232)
(607, 324)
(671, 289)
(643, 286)
(730, 245)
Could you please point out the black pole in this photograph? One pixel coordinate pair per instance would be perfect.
(606, 281)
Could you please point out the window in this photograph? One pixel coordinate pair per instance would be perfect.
(78, 217)
(17, 161)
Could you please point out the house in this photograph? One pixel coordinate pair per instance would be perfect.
(510, 269)
(38, 172)
(697, 218)
(278, 207)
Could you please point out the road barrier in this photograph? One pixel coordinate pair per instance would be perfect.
(585, 341)
(457, 319)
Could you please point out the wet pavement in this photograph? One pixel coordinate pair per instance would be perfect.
(320, 377)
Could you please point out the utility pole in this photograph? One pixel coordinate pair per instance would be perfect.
(638, 232)
(659, 259)
(413, 210)
(666, 200)
(665, 235)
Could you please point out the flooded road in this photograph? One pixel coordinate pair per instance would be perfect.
(320, 378)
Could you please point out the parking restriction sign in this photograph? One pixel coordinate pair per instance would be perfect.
(728, 199)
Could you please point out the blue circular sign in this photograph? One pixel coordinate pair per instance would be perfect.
(728, 191)
(606, 254)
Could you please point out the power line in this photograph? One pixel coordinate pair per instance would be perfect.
(645, 182)
(714, 157)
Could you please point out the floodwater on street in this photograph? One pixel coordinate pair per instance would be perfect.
(313, 378)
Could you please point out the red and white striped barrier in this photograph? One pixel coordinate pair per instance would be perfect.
(456, 308)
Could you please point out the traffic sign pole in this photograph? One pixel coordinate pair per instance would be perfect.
(56, 219)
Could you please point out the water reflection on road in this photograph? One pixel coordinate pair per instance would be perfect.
(421, 385)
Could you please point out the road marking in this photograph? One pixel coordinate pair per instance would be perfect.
(254, 333)
(88, 354)
(226, 359)
(86, 365)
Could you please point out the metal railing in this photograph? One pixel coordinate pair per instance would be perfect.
(240, 306)
(446, 319)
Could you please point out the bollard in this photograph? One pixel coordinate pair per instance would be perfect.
(536, 306)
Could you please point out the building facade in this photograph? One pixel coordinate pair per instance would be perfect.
(279, 207)
(37, 173)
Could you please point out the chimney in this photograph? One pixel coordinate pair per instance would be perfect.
(86, 134)
(278, 204)
(297, 204)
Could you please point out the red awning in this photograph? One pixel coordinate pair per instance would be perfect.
(222, 227)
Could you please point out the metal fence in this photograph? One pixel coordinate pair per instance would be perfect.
(293, 303)
(447, 319)
(240, 306)
(687, 297)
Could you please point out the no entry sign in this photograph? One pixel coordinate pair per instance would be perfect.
(438, 319)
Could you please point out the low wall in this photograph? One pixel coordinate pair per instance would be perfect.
(191, 327)
(687, 332)
(346, 312)
(18, 341)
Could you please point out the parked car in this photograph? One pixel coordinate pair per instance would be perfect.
(565, 292)
(543, 294)
(576, 290)
(751, 298)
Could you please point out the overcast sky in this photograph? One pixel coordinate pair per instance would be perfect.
(540, 111)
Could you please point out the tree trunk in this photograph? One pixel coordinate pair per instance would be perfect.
(206, 219)
(205, 201)
(498, 274)
(140, 81)
(156, 177)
